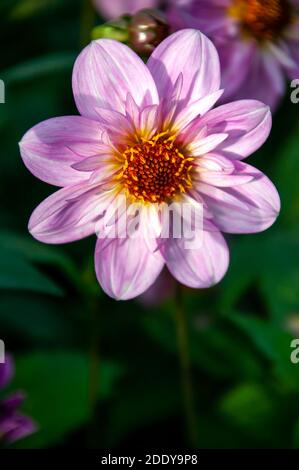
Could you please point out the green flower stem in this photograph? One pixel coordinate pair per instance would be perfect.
(91, 301)
(185, 366)
(94, 363)
(94, 369)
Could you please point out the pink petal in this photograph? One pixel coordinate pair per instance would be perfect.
(202, 267)
(149, 120)
(212, 162)
(94, 163)
(104, 73)
(114, 121)
(222, 180)
(145, 120)
(198, 108)
(206, 144)
(126, 267)
(247, 122)
(217, 170)
(70, 214)
(245, 208)
(115, 8)
(190, 53)
(132, 111)
(52, 148)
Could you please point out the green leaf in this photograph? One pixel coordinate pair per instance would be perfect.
(37, 90)
(260, 261)
(263, 333)
(26, 8)
(38, 68)
(18, 274)
(296, 435)
(213, 348)
(274, 342)
(35, 320)
(142, 403)
(56, 384)
(249, 407)
(37, 252)
(286, 168)
(31, 249)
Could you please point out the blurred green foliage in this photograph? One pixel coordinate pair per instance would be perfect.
(246, 387)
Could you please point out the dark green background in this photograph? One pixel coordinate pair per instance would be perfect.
(246, 388)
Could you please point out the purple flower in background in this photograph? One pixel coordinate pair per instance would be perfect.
(13, 425)
(115, 8)
(162, 289)
(257, 40)
(148, 133)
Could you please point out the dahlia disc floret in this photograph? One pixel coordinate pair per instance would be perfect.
(148, 134)
(257, 40)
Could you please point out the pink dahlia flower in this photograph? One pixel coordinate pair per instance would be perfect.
(147, 133)
(114, 8)
(257, 40)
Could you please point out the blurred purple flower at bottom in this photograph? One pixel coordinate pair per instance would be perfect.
(162, 289)
(13, 425)
(257, 41)
(115, 8)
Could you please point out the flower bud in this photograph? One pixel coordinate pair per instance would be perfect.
(147, 29)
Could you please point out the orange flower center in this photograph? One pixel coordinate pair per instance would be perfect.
(155, 170)
(265, 20)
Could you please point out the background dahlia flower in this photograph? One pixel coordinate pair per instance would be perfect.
(257, 40)
(114, 8)
(162, 290)
(148, 133)
(13, 424)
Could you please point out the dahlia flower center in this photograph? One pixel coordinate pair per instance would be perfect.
(262, 19)
(156, 170)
